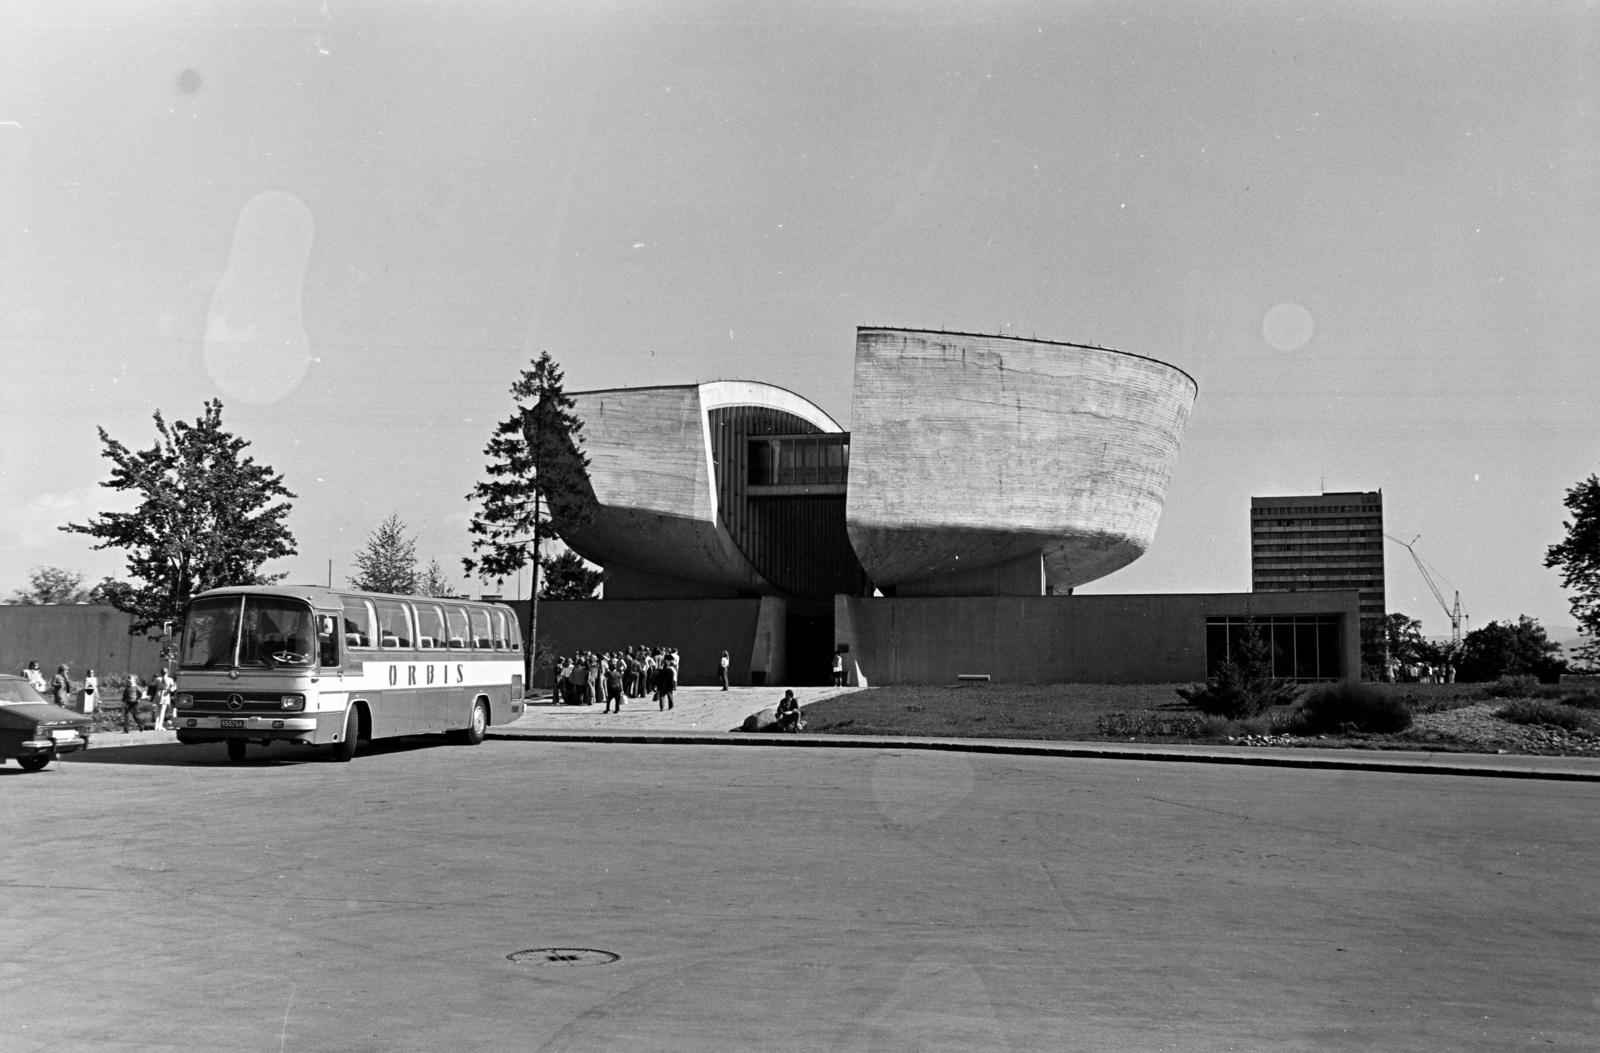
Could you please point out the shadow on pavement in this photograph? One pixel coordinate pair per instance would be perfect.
(215, 754)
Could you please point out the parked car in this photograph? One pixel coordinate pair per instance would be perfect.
(32, 730)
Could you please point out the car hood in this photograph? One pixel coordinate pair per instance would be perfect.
(28, 714)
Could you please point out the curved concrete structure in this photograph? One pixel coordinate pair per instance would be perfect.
(989, 464)
(657, 514)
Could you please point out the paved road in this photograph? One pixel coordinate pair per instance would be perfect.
(158, 898)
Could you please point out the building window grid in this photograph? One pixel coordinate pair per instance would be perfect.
(1304, 647)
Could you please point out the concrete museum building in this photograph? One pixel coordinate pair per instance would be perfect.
(982, 480)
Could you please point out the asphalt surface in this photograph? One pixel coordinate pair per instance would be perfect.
(800, 899)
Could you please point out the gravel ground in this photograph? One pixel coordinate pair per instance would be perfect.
(1472, 728)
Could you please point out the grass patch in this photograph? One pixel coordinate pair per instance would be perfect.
(1019, 711)
(1543, 711)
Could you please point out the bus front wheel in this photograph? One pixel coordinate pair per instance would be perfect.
(236, 750)
(473, 733)
(345, 748)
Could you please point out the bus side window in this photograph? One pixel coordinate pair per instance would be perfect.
(456, 618)
(357, 624)
(394, 624)
(499, 630)
(430, 626)
(514, 631)
(480, 628)
(328, 639)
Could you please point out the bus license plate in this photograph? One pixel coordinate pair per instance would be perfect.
(225, 722)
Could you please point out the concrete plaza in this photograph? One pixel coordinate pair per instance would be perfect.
(802, 899)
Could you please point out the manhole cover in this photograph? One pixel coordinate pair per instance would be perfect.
(564, 956)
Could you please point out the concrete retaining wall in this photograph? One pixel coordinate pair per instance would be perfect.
(84, 635)
(1153, 639)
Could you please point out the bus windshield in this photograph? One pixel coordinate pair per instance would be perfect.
(262, 631)
(211, 633)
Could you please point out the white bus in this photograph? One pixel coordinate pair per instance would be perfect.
(331, 667)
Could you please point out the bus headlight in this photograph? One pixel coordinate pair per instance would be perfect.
(294, 702)
(183, 700)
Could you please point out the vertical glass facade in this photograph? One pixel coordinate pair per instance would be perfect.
(1304, 646)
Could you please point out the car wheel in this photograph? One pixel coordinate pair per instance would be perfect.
(473, 733)
(345, 748)
(236, 749)
(35, 763)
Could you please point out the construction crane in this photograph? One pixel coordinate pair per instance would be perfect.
(1454, 614)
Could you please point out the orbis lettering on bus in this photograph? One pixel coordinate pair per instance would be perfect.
(426, 674)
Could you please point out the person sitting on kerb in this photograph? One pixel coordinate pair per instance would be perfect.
(789, 713)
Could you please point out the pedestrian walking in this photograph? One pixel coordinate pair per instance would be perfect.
(161, 689)
(838, 669)
(91, 685)
(130, 703)
(723, 670)
(666, 683)
(614, 674)
(61, 687)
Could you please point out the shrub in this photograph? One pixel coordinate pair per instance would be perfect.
(1542, 711)
(1523, 685)
(1347, 706)
(1122, 725)
(1244, 684)
(1581, 699)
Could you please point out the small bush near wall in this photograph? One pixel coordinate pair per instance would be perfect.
(1349, 706)
(1524, 685)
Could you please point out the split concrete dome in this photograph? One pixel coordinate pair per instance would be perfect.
(999, 465)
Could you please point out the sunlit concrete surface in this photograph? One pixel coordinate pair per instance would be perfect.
(971, 456)
(694, 709)
(655, 486)
(816, 899)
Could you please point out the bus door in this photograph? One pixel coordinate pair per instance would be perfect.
(330, 679)
(395, 702)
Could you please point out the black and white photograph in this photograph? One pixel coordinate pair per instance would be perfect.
(1102, 496)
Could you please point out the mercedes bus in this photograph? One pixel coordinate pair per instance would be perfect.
(332, 667)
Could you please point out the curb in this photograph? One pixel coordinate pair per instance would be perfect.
(1418, 764)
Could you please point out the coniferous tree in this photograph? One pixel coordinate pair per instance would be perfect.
(1579, 559)
(537, 486)
(568, 577)
(434, 582)
(209, 516)
(388, 563)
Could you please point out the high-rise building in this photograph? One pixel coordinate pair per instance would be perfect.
(1324, 541)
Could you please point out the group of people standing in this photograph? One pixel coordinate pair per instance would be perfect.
(586, 678)
(62, 691)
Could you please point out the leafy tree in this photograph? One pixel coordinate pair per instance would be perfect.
(537, 485)
(1579, 559)
(568, 577)
(51, 585)
(434, 582)
(1243, 685)
(209, 516)
(388, 563)
(1401, 634)
(1510, 649)
(106, 590)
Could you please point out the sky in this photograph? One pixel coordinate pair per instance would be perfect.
(1368, 230)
